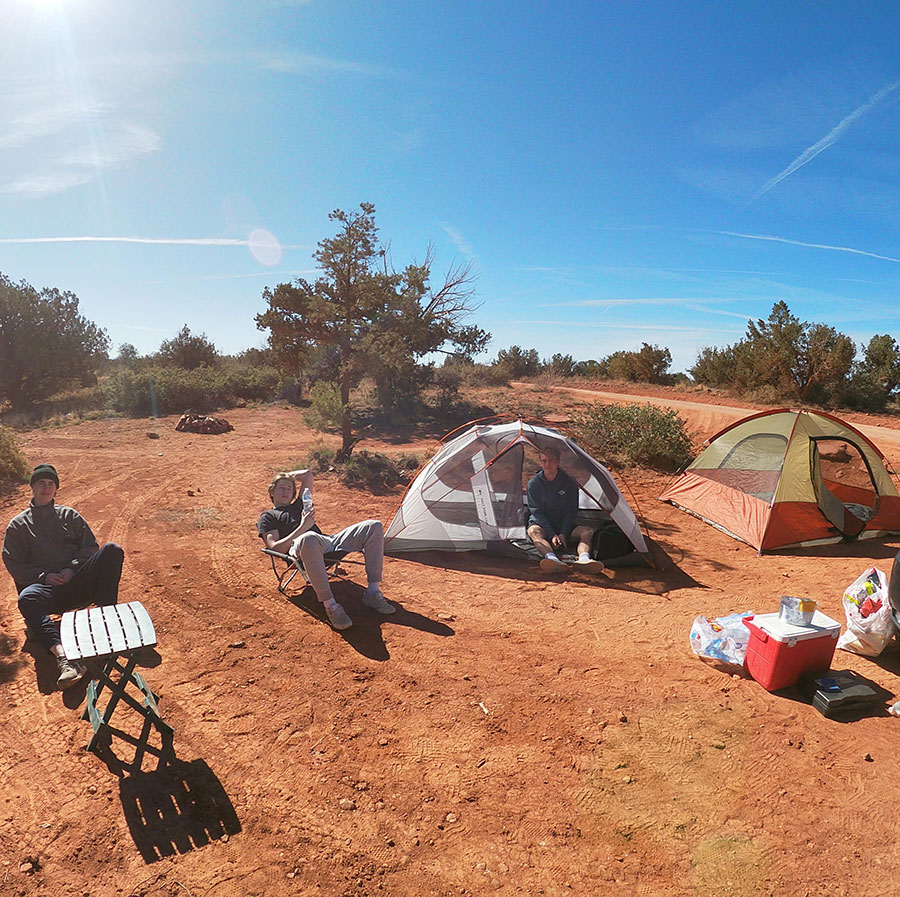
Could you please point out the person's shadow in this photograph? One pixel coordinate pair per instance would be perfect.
(365, 635)
(9, 664)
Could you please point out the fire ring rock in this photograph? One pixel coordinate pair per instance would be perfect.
(198, 423)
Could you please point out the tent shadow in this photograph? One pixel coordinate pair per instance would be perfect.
(176, 809)
(667, 577)
(863, 550)
(365, 636)
(674, 576)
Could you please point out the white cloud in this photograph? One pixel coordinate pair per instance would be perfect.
(648, 300)
(127, 142)
(310, 63)
(20, 130)
(626, 325)
(38, 185)
(64, 121)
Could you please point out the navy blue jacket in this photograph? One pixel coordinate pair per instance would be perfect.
(552, 505)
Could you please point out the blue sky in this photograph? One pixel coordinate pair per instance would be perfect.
(615, 172)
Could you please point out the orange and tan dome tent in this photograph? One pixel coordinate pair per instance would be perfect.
(786, 478)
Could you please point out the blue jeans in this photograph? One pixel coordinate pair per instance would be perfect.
(95, 582)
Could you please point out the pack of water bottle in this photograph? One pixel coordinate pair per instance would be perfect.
(721, 638)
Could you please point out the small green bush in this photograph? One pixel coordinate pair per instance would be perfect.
(325, 410)
(447, 380)
(13, 467)
(644, 435)
(365, 470)
(159, 389)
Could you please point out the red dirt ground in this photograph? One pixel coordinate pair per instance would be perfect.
(503, 733)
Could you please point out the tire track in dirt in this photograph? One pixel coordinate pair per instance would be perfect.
(34, 729)
(83, 494)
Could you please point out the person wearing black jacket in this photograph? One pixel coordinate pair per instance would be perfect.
(552, 497)
(56, 564)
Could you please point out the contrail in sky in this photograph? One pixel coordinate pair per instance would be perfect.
(874, 255)
(188, 241)
(832, 136)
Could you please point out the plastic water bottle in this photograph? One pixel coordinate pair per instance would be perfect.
(306, 498)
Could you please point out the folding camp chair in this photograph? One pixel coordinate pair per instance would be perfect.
(293, 566)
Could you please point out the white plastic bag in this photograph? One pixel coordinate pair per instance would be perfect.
(869, 623)
(721, 638)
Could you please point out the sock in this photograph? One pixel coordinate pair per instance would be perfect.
(330, 602)
(552, 556)
(584, 556)
(373, 588)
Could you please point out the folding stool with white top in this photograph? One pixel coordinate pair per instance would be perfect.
(107, 635)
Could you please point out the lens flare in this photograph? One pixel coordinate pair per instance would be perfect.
(264, 246)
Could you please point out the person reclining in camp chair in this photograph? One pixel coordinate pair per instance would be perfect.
(552, 507)
(290, 529)
(57, 565)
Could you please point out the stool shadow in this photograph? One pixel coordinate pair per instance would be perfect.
(164, 752)
(175, 809)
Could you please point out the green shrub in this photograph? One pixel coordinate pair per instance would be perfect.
(365, 470)
(769, 394)
(158, 389)
(447, 380)
(13, 467)
(645, 435)
(325, 409)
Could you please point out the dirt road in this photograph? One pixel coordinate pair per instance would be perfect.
(709, 419)
(503, 734)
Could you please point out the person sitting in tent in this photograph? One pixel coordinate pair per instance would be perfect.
(290, 528)
(552, 508)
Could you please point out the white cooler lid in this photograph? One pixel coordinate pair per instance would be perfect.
(781, 631)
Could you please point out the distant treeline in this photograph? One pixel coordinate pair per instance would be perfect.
(781, 359)
(47, 347)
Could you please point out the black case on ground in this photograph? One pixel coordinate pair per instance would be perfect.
(838, 691)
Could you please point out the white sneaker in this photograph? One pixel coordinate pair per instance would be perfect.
(337, 616)
(378, 602)
(70, 671)
(590, 565)
(553, 565)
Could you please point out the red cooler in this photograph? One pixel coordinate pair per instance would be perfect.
(779, 653)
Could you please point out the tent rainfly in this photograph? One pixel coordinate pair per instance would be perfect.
(470, 495)
(782, 479)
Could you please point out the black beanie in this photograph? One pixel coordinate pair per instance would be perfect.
(45, 472)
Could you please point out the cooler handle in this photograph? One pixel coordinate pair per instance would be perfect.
(762, 635)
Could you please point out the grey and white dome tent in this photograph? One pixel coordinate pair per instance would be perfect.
(470, 495)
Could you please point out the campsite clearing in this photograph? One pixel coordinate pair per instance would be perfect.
(502, 734)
